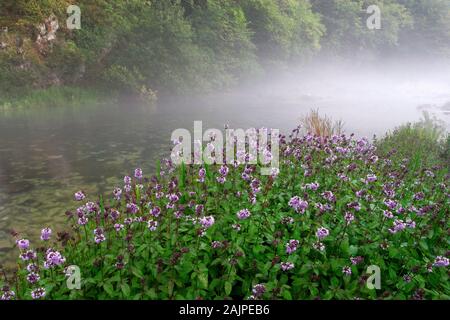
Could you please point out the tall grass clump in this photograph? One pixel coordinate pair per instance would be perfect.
(310, 230)
(321, 126)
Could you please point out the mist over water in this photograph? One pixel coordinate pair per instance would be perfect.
(48, 154)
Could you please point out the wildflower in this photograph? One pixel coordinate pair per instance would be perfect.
(132, 208)
(216, 244)
(173, 197)
(8, 295)
(118, 227)
(285, 266)
(28, 255)
(114, 214)
(371, 178)
(388, 214)
(322, 233)
(319, 246)
(410, 224)
(32, 268)
(360, 193)
(79, 195)
(152, 224)
(429, 173)
(46, 234)
(441, 261)
(99, 238)
(23, 244)
(33, 278)
(243, 214)
(138, 173)
(349, 217)
(407, 278)
(223, 170)
(53, 258)
(354, 205)
(287, 220)
(328, 195)
(199, 209)
(236, 226)
(201, 175)
(207, 222)
(128, 221)
(347, 271)
(312, 186)
(117, 192)
(91, 207)
(83, 220)
(391, 204)
(221, 179)
(127, 180)
(156, 211)
(356, 260)
(419, 196)
(258, 290)
(127, 188)
(298, 204)
(399, 225)
(291, 246)
(38, 293)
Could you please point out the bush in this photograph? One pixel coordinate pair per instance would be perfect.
(309, 230)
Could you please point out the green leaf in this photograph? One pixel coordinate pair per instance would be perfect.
(203, 280)
(125, 289)
(228, 287)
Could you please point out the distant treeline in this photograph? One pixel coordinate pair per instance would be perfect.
(179, 46)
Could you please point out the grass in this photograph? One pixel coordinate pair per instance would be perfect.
(321, 126)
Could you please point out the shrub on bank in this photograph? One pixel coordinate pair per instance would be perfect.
(308, 231)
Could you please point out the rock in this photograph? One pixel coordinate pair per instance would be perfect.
(47, 33)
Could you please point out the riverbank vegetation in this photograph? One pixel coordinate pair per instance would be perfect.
(149, 48)
(337, 205)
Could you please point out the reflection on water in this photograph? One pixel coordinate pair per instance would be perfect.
(48, 154)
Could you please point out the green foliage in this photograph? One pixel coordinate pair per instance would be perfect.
(425, 143)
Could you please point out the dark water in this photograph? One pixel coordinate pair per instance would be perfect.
(48, 154)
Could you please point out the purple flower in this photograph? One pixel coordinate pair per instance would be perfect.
(53, 258)
(347, 271)
(207, 222)
(407, 278)
(83, 220)
(243, 214)
(32, 268)
(38, 293)
(258, 290)
(33, 278)
(371, 178)
(223, 170)
(328, 195)
(356, 260)
(114, 214)
(354, 205)
(441, 261)
(349, 217)
(291, 246)
(410, 224)
(79, 196)
(28, 255)
(312, 186)
(236, 227)
(138, 173)
(285, 266)
(23, 244)
(8, 295)
(127, 180)
(152, 225)
(388, 214)
(201, 175)
(216, 244)
(173, 197)
(118, 227)
(399, 225)
(298, 204)
(322, 233)
(319, 246)
(132, 208)
(221, 179)
(127, 188)
(391, 204)
(99, 238)
(156, 211)
(117, 192)
(46, 233)
(419, 196)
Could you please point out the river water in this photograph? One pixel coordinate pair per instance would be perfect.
(48, 154)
